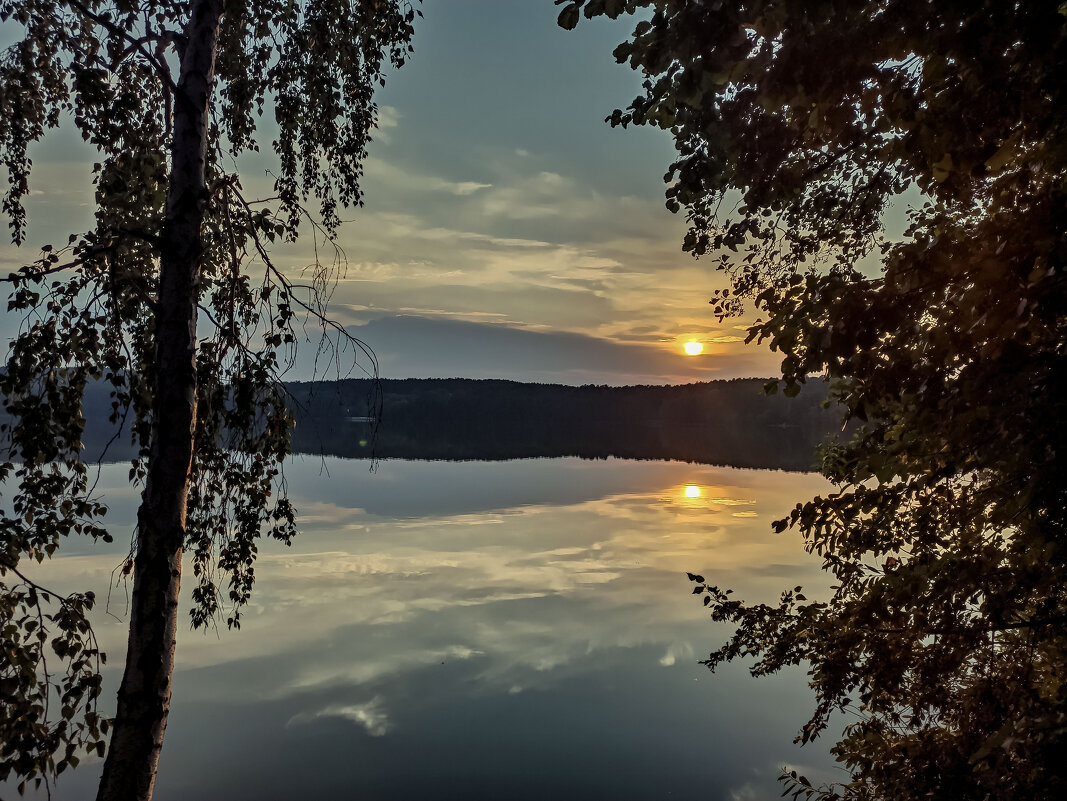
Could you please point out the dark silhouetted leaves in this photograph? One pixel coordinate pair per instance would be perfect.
(90, 307)
(797, 127)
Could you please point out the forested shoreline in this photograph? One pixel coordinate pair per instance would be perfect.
(716, 422)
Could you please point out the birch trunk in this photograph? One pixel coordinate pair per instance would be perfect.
(144, 695)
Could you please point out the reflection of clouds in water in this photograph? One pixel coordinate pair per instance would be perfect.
(618, 560)
(371, 716)
(531, 587)
(364, 667)
(746, 792)
(545, 612)
(676, 651)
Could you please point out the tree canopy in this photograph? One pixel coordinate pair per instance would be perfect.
(800, 128)
(170, 95)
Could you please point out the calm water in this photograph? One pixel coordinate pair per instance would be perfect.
(478, 630)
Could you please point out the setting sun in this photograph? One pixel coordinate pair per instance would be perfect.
(693, 348)
(692, 491)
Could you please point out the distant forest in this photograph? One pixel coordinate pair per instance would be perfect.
(717, 422)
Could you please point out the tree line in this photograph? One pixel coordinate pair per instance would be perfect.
(730, 422)
(717, 422)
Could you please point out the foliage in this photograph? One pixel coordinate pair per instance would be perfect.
(90, 305)
(798, 126)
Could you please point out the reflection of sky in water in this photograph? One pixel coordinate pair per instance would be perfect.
(487, 630)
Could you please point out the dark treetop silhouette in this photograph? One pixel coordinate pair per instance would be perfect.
(169, 95)
(797, 124)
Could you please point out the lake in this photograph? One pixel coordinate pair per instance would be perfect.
(507, 630)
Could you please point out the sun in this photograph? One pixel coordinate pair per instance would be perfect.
(693, 348)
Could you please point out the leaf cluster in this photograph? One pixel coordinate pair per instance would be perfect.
(798, 126)
(45, 725)
(305, 72)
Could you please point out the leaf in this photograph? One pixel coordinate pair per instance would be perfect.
(1002, 157)
(943, 168)
(568, 17)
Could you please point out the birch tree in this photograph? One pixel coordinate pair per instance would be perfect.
(170, 95)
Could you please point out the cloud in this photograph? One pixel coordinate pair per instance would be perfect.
(435, 337)
(533, 246)
(388, 116)
(534, 249)
(541, 195)
(552, 307)
(405, 182)
(414, 346)
(468, 187)
(387, 123)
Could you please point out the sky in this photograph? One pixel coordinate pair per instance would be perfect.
(508, 231)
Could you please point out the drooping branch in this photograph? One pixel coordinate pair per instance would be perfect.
(134, 43)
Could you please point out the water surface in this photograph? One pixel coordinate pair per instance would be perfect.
(477, 630)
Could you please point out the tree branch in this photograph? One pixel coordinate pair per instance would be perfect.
(134, 43)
